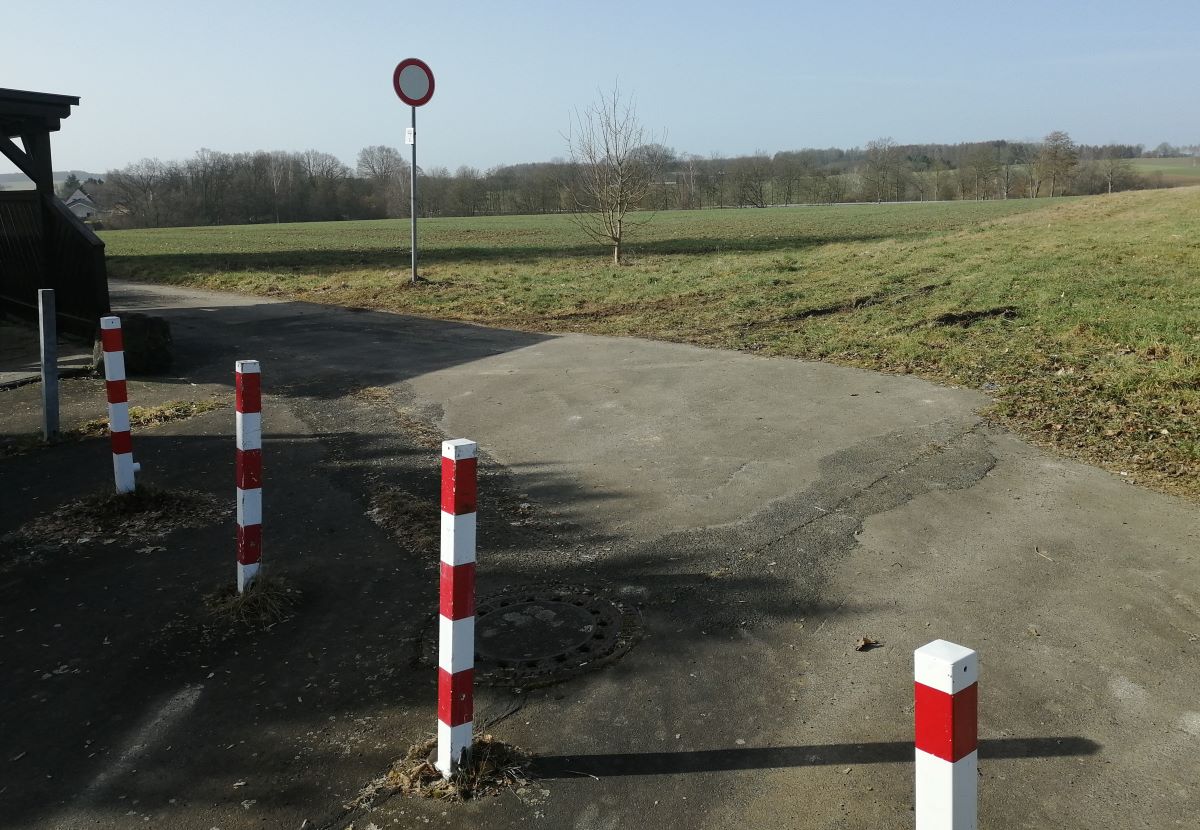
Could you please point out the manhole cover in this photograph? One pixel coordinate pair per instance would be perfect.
(537, 636)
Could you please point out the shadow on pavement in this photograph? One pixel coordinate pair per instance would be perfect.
(715, 760)
(312, 349)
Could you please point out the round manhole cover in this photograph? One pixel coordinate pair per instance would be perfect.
(537, 636)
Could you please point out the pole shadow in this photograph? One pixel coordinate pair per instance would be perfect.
(723, 760)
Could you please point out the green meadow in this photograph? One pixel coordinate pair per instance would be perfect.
(1080, 316)
(1179, 171)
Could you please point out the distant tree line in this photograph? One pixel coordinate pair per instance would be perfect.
(215, 188)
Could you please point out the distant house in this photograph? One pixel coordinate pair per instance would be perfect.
(81, 205)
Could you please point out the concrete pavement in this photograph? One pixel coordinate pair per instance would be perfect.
(763, 514)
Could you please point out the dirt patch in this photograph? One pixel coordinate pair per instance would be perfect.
(266, 602)
(421, 433)
(837, 308)
(967, 318)
(492, 768)
(414, 522)
(120, 517)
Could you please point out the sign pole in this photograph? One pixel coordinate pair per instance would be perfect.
(412, 192)
(413, 82)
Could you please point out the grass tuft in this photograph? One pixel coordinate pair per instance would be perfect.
(492, 767)
(267, 601)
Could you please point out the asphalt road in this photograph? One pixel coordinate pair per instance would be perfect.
(762, 514)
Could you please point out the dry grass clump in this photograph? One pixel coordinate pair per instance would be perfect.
(140, 417)
(412, 521)
(492, 767)
(121, 517)
(148, 416)
(267, 601)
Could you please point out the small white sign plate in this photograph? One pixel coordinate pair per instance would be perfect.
(410, 135)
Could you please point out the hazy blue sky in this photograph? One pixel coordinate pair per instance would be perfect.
(166, 78)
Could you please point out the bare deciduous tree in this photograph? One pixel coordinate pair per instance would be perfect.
(389, 175)
(882, 174)
(138, 189)
(1057, 158)
(1115, 169)
(611, 172)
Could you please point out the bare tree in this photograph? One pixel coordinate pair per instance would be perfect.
(611, 173)
(882, 179)
(979, 168)
(1057, 158)
(687, 183)
(279, 174)
(138, 189)
(1115, 169)
(751, 175)
(319, 165)
(380, 162)
(389, 175)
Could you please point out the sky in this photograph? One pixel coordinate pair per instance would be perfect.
(166, 78)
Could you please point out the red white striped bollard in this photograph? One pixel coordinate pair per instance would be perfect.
(249, 471)
(456, 623)
(113, 345)
(947, 736)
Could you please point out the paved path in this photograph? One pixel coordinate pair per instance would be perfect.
(20, 354)
(764, 514)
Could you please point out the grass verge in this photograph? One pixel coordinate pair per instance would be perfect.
(140, 417)
(1080, 317)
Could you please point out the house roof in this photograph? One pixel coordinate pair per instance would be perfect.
(80, 198)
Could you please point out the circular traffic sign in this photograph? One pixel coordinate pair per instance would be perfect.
(413, 81)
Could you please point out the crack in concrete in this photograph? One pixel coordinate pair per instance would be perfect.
(775, 564)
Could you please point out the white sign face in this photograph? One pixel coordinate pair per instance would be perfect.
(410, 135)
(413, 82)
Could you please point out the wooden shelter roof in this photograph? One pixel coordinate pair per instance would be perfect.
(24, 113)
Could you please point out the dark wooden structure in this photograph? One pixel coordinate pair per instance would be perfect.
(43, 244)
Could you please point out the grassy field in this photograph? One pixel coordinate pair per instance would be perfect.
(1181, 172)
(1080, 316)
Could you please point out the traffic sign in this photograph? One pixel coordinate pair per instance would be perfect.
(413, 81)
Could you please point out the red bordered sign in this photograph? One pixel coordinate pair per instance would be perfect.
(413, 81)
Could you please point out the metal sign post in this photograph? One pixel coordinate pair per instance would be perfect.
(49, 349)
(411, 138)
(413, 82)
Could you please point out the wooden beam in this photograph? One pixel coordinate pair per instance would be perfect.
(37, 150)
(35, 110)
(20, 124)
(13, 153)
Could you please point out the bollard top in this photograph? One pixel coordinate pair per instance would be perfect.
(246, 367)
(459, 449)
(109, 323)
(945, 666)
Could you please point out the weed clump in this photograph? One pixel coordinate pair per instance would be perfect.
(492, 767)
(266, 602)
